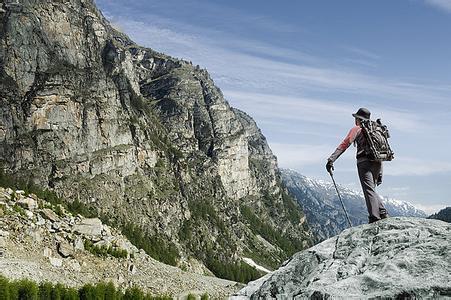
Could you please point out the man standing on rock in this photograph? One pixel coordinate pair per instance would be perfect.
(370, 171)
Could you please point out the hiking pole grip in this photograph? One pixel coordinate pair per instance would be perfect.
(339, 197)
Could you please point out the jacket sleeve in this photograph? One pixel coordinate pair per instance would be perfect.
(348, 140)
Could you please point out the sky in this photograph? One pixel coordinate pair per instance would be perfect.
(301, 68)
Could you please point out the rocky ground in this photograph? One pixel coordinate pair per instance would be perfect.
(396, 258)
(39, 244)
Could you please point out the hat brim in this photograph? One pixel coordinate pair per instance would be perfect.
(359, 117)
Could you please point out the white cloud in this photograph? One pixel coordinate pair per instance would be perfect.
(430, 209)
(402, 166)
(441, 4)
(256, 66)
(298, 155)
(287, 109)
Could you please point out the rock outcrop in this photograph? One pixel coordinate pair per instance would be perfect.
(139, 137)
(396, 258)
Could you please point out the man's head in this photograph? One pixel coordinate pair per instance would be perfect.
(362, 114)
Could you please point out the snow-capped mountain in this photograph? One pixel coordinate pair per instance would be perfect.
(323, 210)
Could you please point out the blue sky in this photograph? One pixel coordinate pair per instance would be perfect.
(301, 68)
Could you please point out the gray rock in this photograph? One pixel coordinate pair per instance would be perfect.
(56, 262)
(28, 203)
(89, 227)
(135, 134)
(4, 233)
(29, 214)
(79, 244)
(49, 214)
(65, 249)
(47, 252)
(393, 258)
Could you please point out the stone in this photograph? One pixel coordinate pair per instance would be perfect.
(106, 231)
(47, 252)
(27, 203)
(79, 244)
(4, 233)
(56, 262)
(89, 227)
(20, 192)
(29, 214)
(396, 258)
(65, 249)
(2, 213)
(49, 214)
(9, 191)
(102, 243)
(40, 221)
(132, 269)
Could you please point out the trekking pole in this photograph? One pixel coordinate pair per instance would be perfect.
(339, 197)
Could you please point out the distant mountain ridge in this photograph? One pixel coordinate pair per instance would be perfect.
(323, 210)
(444, 215)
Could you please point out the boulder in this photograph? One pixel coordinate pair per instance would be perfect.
(49, 214)
(47, 252)
(28, 203)
(65, 249)
(396, 258)
(79, 244)
(89, 227)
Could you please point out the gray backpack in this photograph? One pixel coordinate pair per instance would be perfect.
(376, 135)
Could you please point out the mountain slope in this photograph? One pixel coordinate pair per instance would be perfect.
(444, 215)
(396, 258)
(140, 138)
(323, 210)
(42, 242)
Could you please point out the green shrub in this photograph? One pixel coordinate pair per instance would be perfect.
(27, 289)
(104, 250)
(4, 288)
(191, 297)
(133, 293)
(155, 246)
(45, 291)
(204, 297)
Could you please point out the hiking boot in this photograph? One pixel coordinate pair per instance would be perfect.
(372, 219)
(384, 216)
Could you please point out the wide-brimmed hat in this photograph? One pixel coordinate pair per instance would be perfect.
(362, 113)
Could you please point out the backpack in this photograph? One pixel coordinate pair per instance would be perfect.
(376, 135)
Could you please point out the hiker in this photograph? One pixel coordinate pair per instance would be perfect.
(370, 171)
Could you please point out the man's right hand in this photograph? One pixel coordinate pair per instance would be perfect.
(329, 166)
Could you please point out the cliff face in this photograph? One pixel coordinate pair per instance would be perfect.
(139, 136)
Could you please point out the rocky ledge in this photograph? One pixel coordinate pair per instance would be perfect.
(397, 258)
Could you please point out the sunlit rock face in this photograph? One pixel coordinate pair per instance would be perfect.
(138, 136)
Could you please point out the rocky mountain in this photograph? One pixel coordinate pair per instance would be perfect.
(140, 139)
(444, 215)
(45, 243)
(323, 209)
(396, 258)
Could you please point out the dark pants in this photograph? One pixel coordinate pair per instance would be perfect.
(368, 174)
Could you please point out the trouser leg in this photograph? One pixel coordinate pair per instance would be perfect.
(368, 173)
